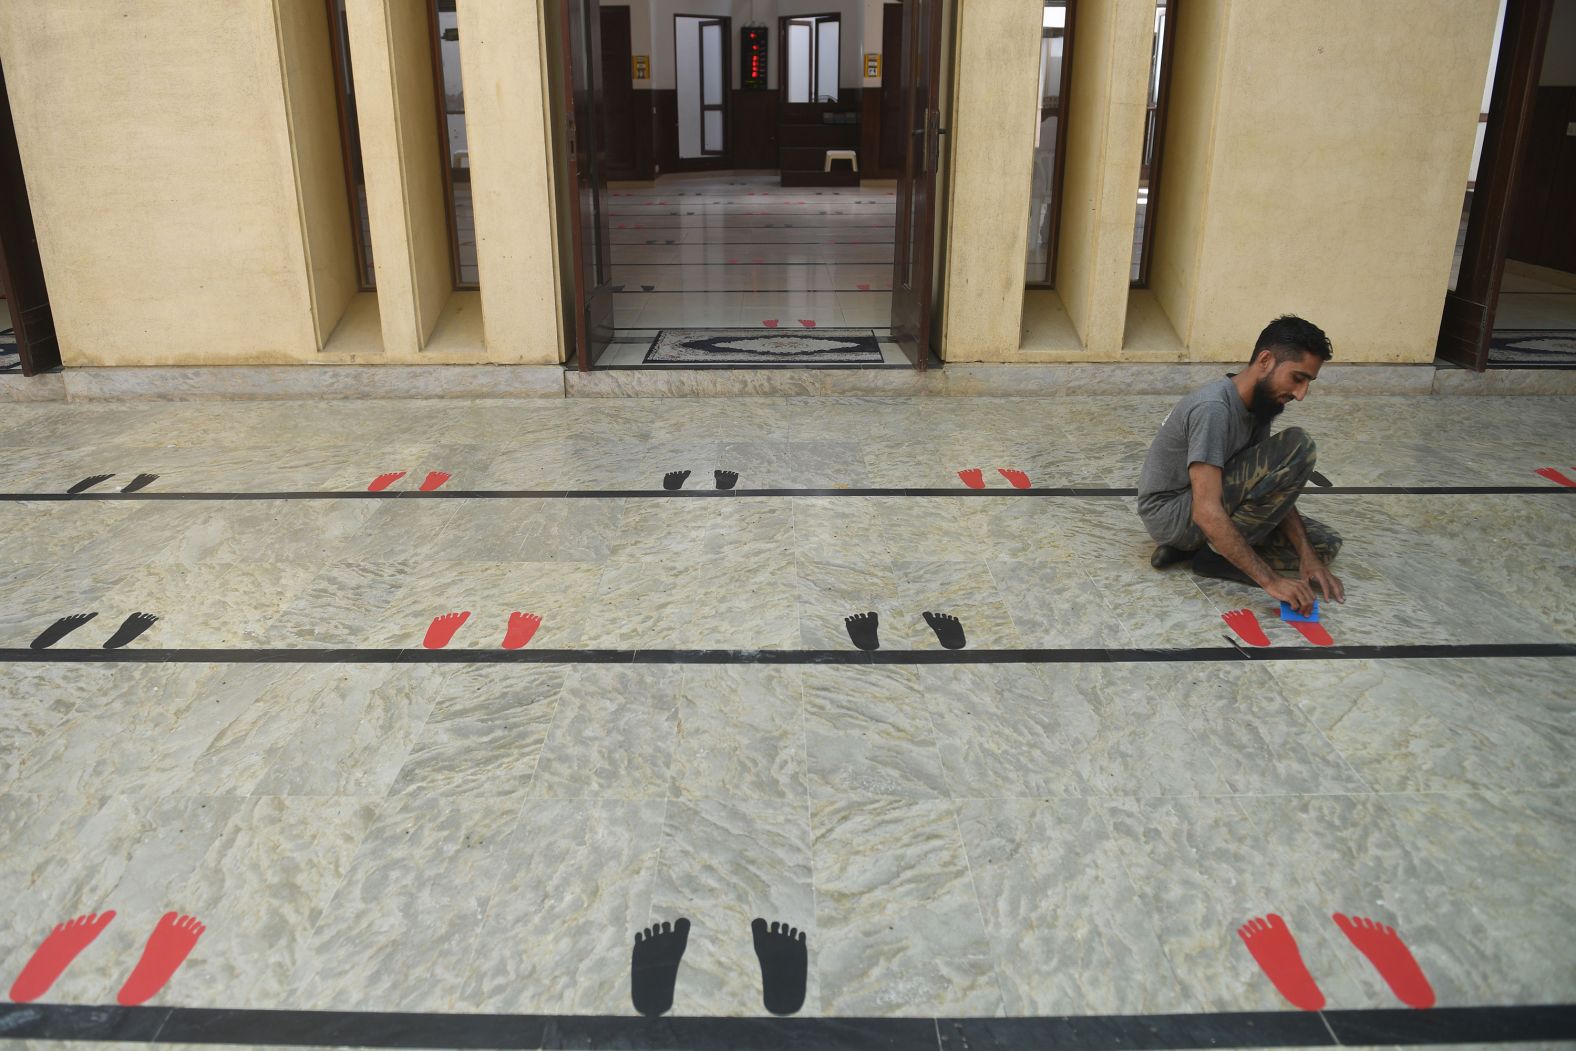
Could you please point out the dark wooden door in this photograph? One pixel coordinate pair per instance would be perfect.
(586, 181)
(618, 94)
(1468, 320)
(891, 156)
(21, 270)
(912, 273)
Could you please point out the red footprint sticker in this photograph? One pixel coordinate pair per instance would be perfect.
(1390, 957)
(771, 323)
(55, 953)
(974, 478)
(1275, 951)
(521, 627)
(1557, 477)
(1313, 632)
(807, 324)
(1245, 624)
(433, 480)
(172, 940)
(383, 481)
(1018, 479)
(442, 629)
(863, 286)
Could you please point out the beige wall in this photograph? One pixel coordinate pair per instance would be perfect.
(154, 136)
(1331, 171)
(190, 205)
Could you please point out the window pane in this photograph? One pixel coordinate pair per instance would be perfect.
(711, 49)
(687, 59)
(355, 171)
(798, 61)
(713, 131)
(826, 55)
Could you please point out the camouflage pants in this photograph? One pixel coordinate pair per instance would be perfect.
(1259, 487)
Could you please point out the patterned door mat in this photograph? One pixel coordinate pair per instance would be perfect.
(10, 357)
(1533, 348)
(755, 346)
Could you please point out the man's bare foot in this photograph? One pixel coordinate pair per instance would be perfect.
(1390, 957)
(55, 953)
(1275, 951)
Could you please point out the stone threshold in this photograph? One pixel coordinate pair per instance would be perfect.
(301, 382)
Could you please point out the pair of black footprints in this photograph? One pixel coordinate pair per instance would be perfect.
(130, 628)
(674, 480)
(654, 966)
(132, 486)
(863, 629)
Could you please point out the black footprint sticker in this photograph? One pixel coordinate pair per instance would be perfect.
(654, 967)
(89, 482)
(784, 965)
(726, 479)
(948, 629)
(1319, 480)
(674, 480)
(134, 625)
(862, 628)
(60, 629)
(142, 481)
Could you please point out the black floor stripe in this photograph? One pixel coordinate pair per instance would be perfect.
(844, 657)
(377, 1029)
(1077, 491)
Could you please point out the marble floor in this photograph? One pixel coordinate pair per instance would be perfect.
(1079, 829)
(736, 249)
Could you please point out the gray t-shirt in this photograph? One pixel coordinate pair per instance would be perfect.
(1211, 425)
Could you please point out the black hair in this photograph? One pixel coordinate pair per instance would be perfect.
(1290, 337)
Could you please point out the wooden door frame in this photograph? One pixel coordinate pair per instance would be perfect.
(706, 161)
(21, 269)
(582, 135)
(1467, 323)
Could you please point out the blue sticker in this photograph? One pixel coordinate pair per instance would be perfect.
(1291, 616)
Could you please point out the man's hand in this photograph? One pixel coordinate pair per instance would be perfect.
(1317, 575)
(1295, 593)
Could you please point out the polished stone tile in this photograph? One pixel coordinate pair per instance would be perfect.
(896, 912)
(740, 734)
(412, 904)
(613, 734)
(867, 733)
(574, 885)
(1057, 899)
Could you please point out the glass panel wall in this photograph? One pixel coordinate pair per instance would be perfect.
(1049, 135)
(456, 153)
(350, 145)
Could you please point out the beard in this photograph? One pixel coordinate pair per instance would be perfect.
(1266, 406)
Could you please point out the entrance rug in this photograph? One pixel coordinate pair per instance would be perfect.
(754, 346)
(10, 360)
(1533, 348)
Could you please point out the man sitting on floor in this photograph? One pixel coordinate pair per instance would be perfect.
(1215, 475)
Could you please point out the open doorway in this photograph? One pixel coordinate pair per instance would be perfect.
(1512, 297)
(751, 220)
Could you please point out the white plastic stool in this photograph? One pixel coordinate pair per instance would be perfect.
(851, 156)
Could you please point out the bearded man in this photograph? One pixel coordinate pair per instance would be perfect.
(1219, 488)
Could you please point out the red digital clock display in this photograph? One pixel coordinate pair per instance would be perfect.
(753, 48)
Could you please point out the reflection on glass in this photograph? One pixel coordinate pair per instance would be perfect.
(457, 157)
(1053, 43)
(812, 56)
(1156, 57)
(355, 171)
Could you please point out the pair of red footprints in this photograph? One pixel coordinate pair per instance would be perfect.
(433, 480)
(172, 940)
(521, 627)
(1275, 951)
(1246, 625)
(974, 478)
